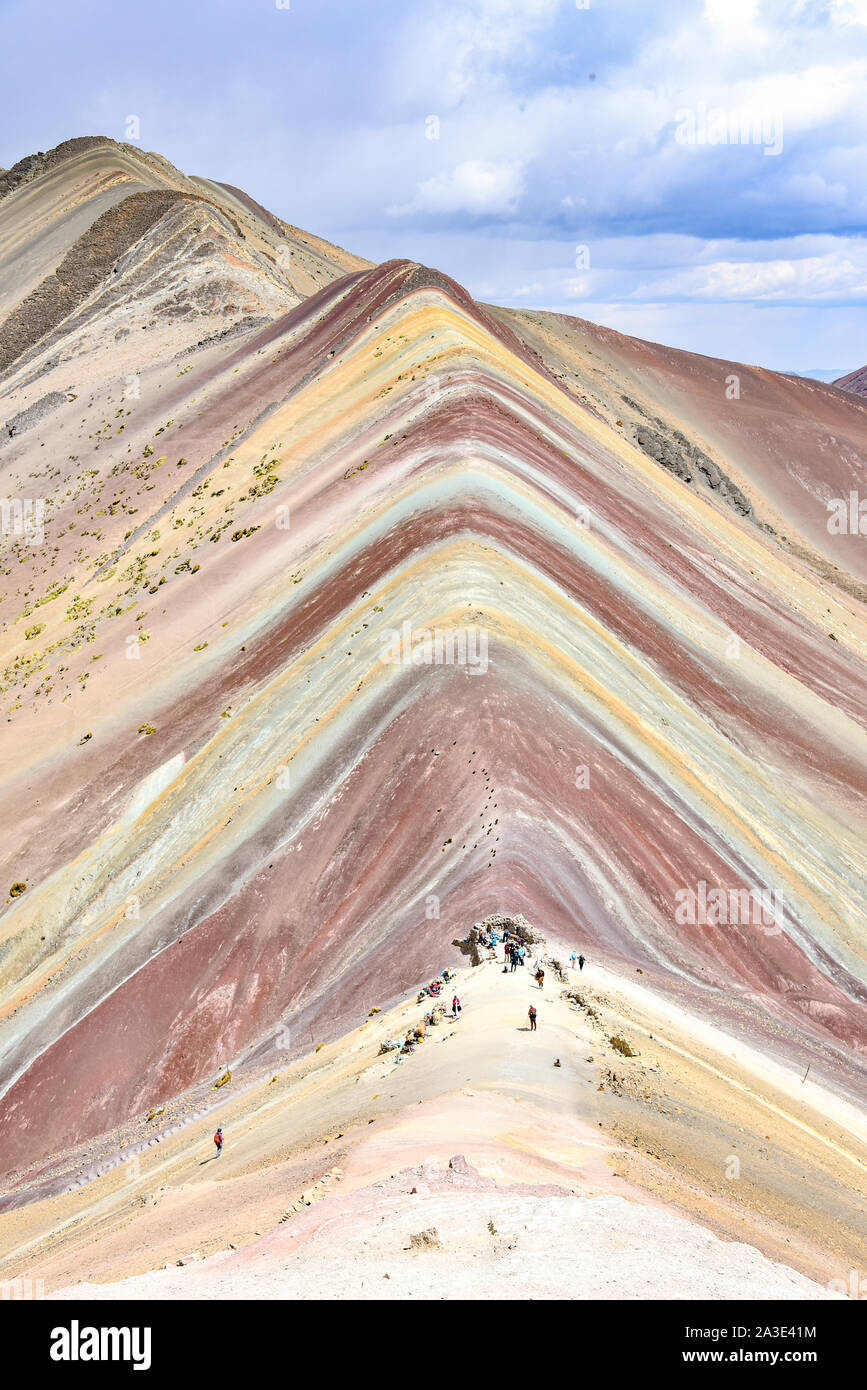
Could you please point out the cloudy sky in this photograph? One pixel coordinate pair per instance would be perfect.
(692, 171)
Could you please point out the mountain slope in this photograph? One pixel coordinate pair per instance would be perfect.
(855, 381)
(97, 231)
(380, 612)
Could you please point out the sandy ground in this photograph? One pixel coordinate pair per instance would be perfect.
(696, 1168)
(479, 1242)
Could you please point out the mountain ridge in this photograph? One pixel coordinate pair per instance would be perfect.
(239, 812)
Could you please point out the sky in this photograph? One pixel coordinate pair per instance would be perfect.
(689, 171)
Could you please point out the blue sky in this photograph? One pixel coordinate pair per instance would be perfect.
(689, 172)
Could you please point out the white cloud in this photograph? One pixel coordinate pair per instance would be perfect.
(480, 187)
(849, 12)
(733, 19)
(458, 49)
(840, 274)
(813, 188)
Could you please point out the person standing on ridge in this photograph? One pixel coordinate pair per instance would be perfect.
(218, 1140)
(580, 962)
(531, 1014)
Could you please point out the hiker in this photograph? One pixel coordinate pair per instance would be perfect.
(531, 1014)
(513, 957)
(522, 951)
(580, 962)
(573, 959)
(218, 1140)
(540, 978)
(456, 1006)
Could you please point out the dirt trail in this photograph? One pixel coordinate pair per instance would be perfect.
(654, 1134)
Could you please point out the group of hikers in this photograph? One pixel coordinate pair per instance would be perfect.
(435, 988)
(438, 1012)
(514, 947)
(418, 1034)
(514, 955)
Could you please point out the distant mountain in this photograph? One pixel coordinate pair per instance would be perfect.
(855, 381)
(828, 374)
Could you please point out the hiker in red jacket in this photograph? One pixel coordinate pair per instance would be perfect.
(218, 1140)
(456, 1006)
(531, 1012)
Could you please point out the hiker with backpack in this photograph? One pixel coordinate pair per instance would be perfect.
(218, 1140)
(531, 1014)
(456, 1006)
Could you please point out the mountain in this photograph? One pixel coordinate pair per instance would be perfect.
(819, 373)
(855, 381)
(94, 236)
(375, 610)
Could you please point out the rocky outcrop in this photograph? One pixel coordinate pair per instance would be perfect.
(35, 413)
(689, 463)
